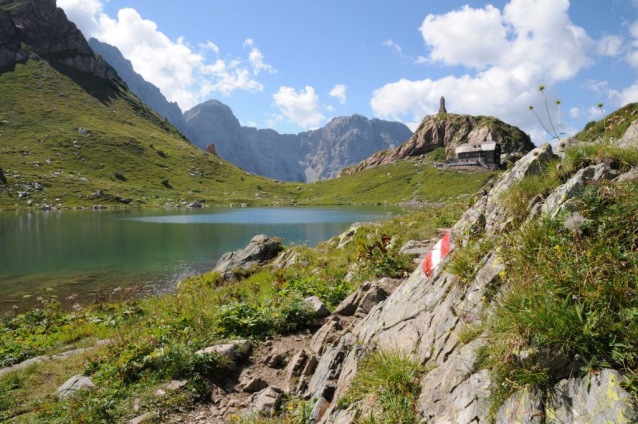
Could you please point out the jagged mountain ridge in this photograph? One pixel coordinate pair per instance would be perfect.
(34, 29)
(305, 157)
(449, 130)
(147, 92)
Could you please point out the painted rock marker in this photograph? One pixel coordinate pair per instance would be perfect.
(436, 255)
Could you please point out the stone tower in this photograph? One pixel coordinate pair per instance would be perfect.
(442, 109)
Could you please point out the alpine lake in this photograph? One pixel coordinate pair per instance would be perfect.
(81, 256)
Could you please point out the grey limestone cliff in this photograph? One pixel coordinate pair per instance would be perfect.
(308, 156)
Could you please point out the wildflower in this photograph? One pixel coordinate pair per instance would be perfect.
(541, 88)
(531, 107)
(600, 105)
(558, 102)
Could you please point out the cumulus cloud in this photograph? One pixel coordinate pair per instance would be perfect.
(507, 53)
(574, 112)
(610, 45)
(339, 92)
(182, 75)
(302, 108)
(256, 58)
(626, 95)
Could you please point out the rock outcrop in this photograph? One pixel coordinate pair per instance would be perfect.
(449, 131)
(30, 29)
(425, 316)
(74, 384)
(305, 157)
(259, 251)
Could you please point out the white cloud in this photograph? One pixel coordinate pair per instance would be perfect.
(454, 37)
(509, 53)
(257, 58)
(574, 112)
(394, 46)
(596, 86)
(625, 96)
(594, 113)
(209, 45)
(339, 92)
(302, 108)
(182, 75)
(84, 13)
(610, 45)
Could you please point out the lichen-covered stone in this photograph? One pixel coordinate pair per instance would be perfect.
(594, 399)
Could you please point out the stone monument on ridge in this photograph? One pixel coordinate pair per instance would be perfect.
(442, 109)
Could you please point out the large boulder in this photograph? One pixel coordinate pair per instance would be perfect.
(231, 352)
(268, 401)
(73, 385)
(259, 251)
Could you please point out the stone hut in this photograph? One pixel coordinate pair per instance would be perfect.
(487, 153)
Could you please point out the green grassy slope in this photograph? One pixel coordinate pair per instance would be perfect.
(617, 124)
(131, 153)
(404, 181)
(42, 109)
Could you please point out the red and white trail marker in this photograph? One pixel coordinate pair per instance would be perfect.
(436, 255)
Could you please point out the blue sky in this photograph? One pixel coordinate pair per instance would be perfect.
(275, 63)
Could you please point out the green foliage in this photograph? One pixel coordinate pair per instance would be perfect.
(380, 257)
(392, 379)
(438, 155)
(331, 294)
(572, 289)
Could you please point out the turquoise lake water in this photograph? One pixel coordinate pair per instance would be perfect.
(111, 253)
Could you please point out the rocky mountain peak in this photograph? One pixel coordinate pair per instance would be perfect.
(449, 131)
(30, 29)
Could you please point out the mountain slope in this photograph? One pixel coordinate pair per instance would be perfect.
(72, 134)
(449, 131)
(308, 156)
(613, 125)
(147, 92)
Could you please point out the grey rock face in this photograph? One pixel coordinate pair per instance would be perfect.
(632, 132)
(562, 196)
(74, 384)
(317, 306)
(268, 402)
(260, 250)
(595, 399)
(147, 92)
(308, 156)
(45, 29)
